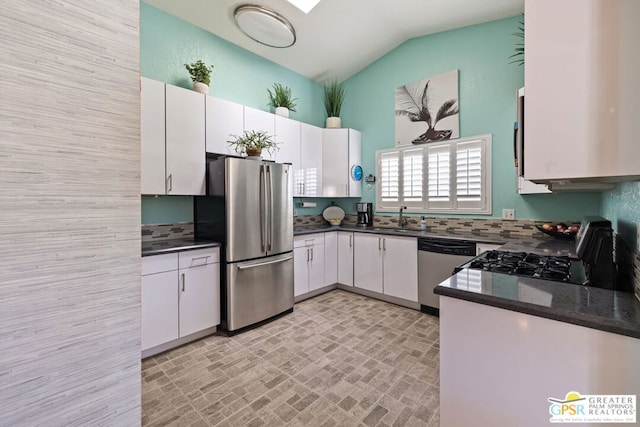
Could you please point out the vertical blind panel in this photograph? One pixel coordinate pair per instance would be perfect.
(439, 173)
(389, 180)
(469, 171)
(412, 176)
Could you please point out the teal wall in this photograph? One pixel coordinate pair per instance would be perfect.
(487, 87)
(622, 206)
(487, 100)
(167, 42)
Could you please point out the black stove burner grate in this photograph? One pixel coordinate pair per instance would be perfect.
(524, 264)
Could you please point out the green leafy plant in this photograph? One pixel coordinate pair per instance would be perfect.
(253, 141)
(334, 92)
(518, 57)
(281, 97)
(199, 72)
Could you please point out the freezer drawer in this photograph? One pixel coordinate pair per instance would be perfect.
(258, 289)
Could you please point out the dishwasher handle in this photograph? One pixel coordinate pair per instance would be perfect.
(446, 246)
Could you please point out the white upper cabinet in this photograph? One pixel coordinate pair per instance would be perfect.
(341, 151)
(172, 134)
(224, 119)
(288, 139)
(308, 179)
(259, 120)
(185, 141)
(583, 97)
(152, 127)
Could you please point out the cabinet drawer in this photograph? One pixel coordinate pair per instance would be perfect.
(308, 240)
(198, 257)
(159, 263)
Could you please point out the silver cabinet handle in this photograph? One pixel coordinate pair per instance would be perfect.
(169, 183)
(379, 243)
(384, 243)
(307, 254)
(350, 240)
(311, 254)
(195, 263)
(302, 188)
(182, 277)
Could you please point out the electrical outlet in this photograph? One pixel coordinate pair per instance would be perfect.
(509, 214)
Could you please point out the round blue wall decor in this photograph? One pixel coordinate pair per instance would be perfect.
(356, 172)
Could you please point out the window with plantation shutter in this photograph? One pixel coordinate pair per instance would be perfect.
(389, 172)
(439, 177)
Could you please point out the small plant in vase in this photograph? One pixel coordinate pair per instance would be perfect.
(334, 92)
(252, 142)
(200, 75)
(280, 99)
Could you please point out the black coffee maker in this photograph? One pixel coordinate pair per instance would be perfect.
(365, 214)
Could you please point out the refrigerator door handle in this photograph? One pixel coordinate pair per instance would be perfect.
(270, 208)
(263, 209)
(252, 264)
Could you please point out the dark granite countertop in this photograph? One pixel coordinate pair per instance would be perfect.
(596, 308)
(542, 245)
(159, 247)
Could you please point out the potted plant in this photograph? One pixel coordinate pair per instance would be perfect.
(252, 142)
(280, 99)
(333, 97)
(200, 75)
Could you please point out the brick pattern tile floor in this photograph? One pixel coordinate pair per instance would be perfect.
(339, 359)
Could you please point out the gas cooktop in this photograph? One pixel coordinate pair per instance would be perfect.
(555, 268)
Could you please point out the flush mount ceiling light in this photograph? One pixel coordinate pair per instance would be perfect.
(264, 26)
(304, 5)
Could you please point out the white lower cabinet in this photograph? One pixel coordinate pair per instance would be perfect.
(387, 265)
(330, 258)
(308, 257)
(345, 258)
(180, 295)
(367, 262)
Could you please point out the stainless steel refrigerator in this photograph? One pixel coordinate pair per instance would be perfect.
(249, 208)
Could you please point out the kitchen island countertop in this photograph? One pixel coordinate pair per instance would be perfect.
(596, 308)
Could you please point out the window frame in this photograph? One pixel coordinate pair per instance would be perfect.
(449, 207)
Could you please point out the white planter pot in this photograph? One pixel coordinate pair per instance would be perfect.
(333, 123)
(282, 111)
(201, 87)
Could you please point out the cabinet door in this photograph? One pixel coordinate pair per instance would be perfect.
(152, 149)
(199, 295)
(335, 170)
(401, 267)
(288, 138)
(330, 258)
(308, 182)
(355, 158)
(159, 307)
(301, 257)
(255, 119)
(185, 136)
(367, 262)
(345, 258)
(316, 267)
(224, 119)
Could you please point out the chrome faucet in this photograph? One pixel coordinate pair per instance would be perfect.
(402, 221)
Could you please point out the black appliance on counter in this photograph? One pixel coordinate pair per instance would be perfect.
(365, 214)
(594, 247)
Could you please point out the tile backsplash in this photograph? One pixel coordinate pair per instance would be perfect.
(155, 232)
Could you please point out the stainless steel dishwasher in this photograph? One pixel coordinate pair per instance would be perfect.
(437, 258)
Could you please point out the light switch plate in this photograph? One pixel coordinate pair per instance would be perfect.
(509, 214)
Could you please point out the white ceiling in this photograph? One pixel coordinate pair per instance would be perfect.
(338, 38)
